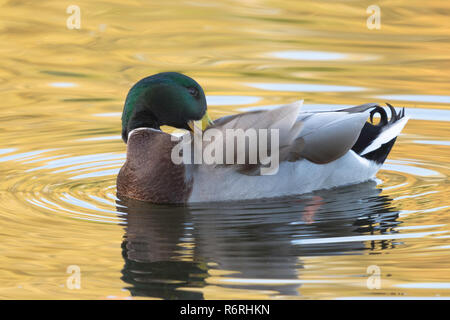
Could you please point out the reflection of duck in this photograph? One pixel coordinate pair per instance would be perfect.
(168, 248)
(150, 248)
(314, 150)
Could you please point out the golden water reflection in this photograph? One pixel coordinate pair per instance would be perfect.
(62, 94)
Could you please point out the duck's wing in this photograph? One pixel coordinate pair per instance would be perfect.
(284, 120)
(320, 137)
(329, 135)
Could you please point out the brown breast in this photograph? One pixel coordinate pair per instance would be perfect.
(149, 173)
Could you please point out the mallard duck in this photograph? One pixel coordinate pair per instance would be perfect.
(317, 150)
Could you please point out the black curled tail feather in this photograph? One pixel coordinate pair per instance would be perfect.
(379, 155)
(370, 132)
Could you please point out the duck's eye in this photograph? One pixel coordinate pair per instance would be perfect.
(193, 91)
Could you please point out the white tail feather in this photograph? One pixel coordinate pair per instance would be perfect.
(387, 135)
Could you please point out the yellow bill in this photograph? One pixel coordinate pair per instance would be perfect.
(202, 124)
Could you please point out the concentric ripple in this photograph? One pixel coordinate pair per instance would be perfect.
(81, 187)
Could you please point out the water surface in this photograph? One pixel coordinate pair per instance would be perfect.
(62, 95)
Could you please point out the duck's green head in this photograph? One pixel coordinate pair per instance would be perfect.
(167, 98)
